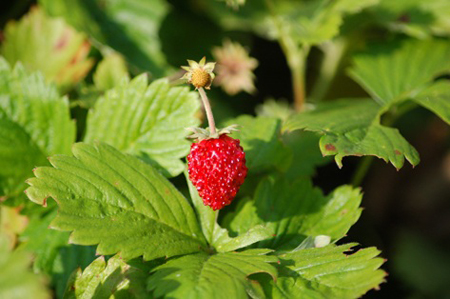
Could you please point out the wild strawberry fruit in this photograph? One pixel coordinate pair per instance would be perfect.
(216, 161)
(217, 169)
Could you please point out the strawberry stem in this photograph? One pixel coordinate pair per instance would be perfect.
(209, 115)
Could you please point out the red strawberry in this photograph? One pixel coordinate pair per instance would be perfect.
(217, 169)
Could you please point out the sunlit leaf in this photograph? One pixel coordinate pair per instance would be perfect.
(54, 256)
(118, 202)
(110, 71)
(146, 121)
(328, 272)
(294, 210)
(102, 279)
(217, 236)
(34, 123)
(222, 275)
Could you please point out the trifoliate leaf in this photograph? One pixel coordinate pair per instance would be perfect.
(222, 275)
(294, 210)
(387, 74)
(436, 98)
(260, 138)
(34, 123)
(16, 280)
(112, 279)
(217, 236)
(146, 121)
(118, 202)
(110, 72)
(328, 272)
(48, 45)
(350, 128)
(128, 26)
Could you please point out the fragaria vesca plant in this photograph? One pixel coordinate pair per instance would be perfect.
(102, 194)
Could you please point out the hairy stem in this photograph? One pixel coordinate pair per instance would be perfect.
(209, 115)
(295, 56)
(333, 52)
(297, 68)
(361, 170)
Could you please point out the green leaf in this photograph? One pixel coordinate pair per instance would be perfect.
(350, 128)
(118, 202)
(54, 256)
(414, 17)
(16, 281)
(387, 74)
(280, 109)
(306, 154)
(377, 140)
(128, 26)
(353, 128)
(110, 71)
(305, 22)
(328, 272)
(68, 259)
(294, 210)
(354, 6)
(313, 23)
(43, 242)
(146, 121)
(112, 279)
(217, 236)
(48, 45)
(34, 122)
(436, 98)
(260, 138)
(222, 275)
(339, 116)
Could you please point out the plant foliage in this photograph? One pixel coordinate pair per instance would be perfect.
(93, 119)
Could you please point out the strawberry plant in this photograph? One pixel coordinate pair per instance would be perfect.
(117, 181)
